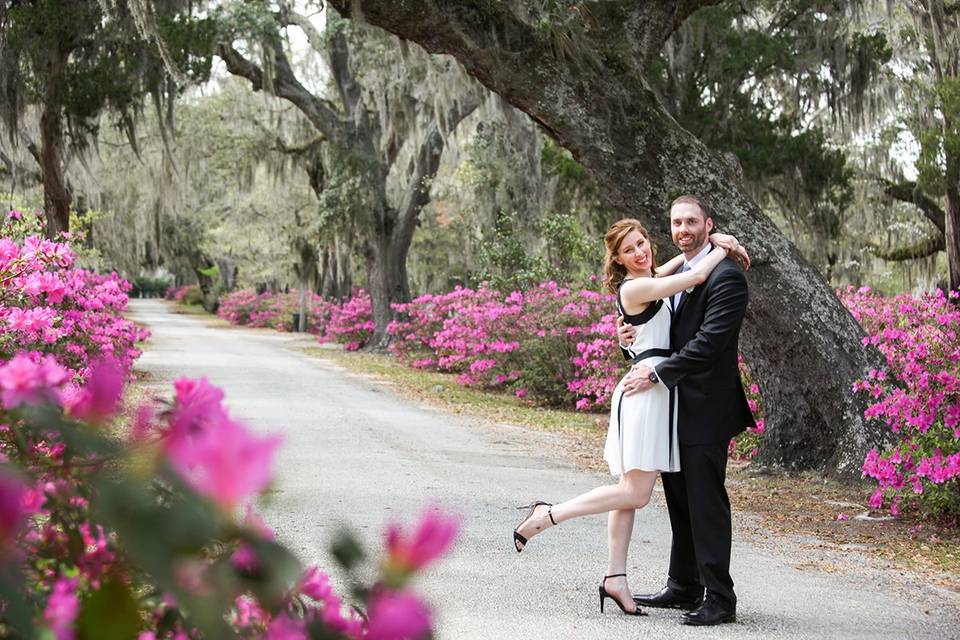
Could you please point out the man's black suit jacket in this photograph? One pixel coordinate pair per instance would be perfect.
(703, 368)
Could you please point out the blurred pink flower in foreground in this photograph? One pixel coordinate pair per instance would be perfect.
(224, 461)
(433, 536)
(397, 615)
(62, 608)
(315, 584)
(24, 381)
(197, 403)
(99, 399)
(284, 628)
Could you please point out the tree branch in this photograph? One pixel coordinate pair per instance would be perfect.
(350, 91)
(279, 144)
(417, 193)
(922, 249)
(321, 113)
(911, 193)
(20, 173)
(286, 17)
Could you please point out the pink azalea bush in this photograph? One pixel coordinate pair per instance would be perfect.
(351, 323)
(52, 312)
(274, 310)
(917, 396)
(746, 445)
(185, 294)
(533, 342)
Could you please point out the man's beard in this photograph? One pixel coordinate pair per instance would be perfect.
(697, 241)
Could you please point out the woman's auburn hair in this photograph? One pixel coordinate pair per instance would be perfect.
(615, 273)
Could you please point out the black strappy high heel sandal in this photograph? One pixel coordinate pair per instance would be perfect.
(517, 538)
(604, 595)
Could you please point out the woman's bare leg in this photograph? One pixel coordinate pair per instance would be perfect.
(619, 530)
(631, 492)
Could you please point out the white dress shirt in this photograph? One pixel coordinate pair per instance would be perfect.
(690, 264)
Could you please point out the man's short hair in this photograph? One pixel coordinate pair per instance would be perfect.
(705, 210)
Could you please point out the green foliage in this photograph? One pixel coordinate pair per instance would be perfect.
(751, 79)
(212, 271)
(247, 19)
(558, 161)
(147, 287)
(937, 142)
(571, 254)
(507, 262)
(547, 366)
(101, 61)
(109, 613)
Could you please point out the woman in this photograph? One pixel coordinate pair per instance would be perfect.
(642, 437)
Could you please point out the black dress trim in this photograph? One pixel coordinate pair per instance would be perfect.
(640, 318)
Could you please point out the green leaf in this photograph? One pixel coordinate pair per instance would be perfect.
(346, 550)
(156, 535)
(109, 614)
(17, 613)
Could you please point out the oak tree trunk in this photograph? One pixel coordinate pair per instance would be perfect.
(585, 84)
(951, 230)
(56, 196)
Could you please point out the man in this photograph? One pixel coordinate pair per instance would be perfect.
(712, 408)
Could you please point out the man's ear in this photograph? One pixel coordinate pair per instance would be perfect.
(709, 225)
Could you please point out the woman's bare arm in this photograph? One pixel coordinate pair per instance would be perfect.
(636, 293)
(670, 266)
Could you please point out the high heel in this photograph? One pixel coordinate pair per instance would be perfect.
(517, 538)
(604, 595)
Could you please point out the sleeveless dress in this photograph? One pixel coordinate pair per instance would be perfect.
(643, 427)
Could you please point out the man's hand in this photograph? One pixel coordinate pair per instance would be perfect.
(733, 248)
(637, 380)
(626, 333)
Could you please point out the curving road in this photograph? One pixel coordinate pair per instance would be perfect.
(355, 452)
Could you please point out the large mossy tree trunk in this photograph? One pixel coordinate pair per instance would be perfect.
(56, 195)
(583, 80)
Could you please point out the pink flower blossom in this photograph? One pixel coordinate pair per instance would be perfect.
(197, 405)
(62, 608)
(397, 616)
(99, 399)
(434, 534)
(245, 559)
(285, 628)
(24, 381)
(248, 613)
(315, 584)
(224, 461)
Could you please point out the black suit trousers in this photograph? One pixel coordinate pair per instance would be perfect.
(700, 518)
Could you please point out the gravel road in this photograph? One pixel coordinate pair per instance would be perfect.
(356, 452)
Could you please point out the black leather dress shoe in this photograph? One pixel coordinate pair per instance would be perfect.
(710, 613)
(669, 598)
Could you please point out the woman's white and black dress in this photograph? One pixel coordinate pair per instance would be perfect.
(643, 426)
